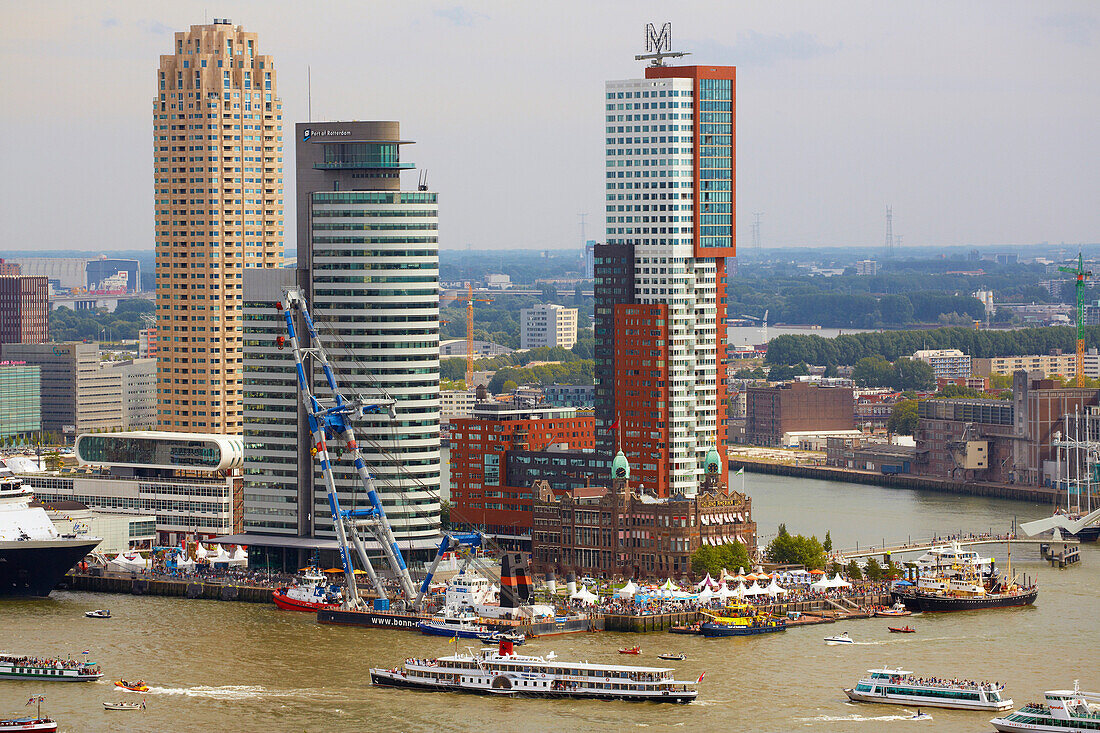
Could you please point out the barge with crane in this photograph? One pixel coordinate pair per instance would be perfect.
(330, 425)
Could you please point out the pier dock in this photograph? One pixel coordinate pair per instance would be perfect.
(923, 546)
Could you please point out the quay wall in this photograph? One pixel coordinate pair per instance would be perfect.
(1039, 494)
(179, 588)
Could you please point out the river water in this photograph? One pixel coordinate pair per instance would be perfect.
(244, 667)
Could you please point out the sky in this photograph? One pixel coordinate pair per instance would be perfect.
(976, 121)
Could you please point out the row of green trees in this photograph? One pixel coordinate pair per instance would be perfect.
(903, 292)
(848, 349)
(99, 325)
(845, 310)
(709, 559)
(453, 368)
(788, 549)
(903, 374)
(580, 371)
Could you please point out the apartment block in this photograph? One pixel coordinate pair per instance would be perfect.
(24, 310)
(1064, 365)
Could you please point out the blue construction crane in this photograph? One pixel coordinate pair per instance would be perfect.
(330, 419)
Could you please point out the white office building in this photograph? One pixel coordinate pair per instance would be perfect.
(946, 363)
(548, 325)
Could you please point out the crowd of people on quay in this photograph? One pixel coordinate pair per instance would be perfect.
(649, 605)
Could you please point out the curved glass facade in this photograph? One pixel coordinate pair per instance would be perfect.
(135, 450)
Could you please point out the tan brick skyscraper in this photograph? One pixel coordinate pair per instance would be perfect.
(218, 168)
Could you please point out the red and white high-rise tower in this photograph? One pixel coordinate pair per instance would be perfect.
(661, 276)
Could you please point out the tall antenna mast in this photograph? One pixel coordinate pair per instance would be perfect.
(756, 229)
(889, 232)
(309, 93)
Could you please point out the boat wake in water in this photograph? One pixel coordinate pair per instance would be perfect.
(855, 718)
(231, 692)
(913, 640)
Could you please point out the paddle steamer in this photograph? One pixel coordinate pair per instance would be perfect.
(505, 673)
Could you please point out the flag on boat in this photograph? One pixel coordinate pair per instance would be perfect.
(740, 472)
(615, 425)
(86, 651)
(453, 639)
(36, 698)
(704, 674)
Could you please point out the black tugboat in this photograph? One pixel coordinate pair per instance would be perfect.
(964, 590)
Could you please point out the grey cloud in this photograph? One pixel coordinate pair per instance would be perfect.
(459, 16)
(752, 48)
(1075, 28)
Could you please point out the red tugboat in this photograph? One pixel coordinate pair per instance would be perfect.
(312, 592)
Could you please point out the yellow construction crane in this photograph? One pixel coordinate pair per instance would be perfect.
(470, 300)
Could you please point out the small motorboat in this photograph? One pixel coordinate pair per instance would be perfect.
(98, 613)
(138, 686)
(842, 639)
(902, 629)
(631, 650)
(898, 609)
(124, 705)
(673, 657)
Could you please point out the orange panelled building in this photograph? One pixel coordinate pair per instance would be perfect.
(480, 496)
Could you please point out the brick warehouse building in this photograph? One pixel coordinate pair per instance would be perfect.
(624, 531)
(794, 407)
(482, 496)
(1001, 441)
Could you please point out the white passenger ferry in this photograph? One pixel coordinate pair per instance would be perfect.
(47, 668)
(502, 672)
(900, 687)
(1063, 711)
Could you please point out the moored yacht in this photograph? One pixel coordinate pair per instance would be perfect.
(900, 687)
(1061, 712)
(461, 624)
(502, 672)
(945, 557)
